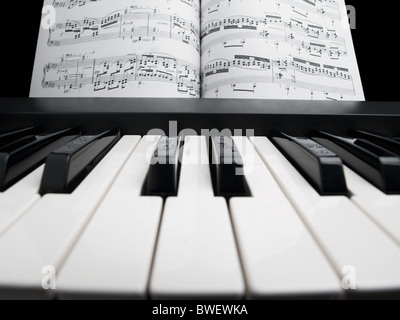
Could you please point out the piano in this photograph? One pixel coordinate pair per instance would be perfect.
(187, 199)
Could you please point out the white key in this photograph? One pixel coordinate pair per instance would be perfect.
(16, 200)
(279, 255)
(196, 253)
(365, 255)
(114, 254)
(48, 231)
(382, 208)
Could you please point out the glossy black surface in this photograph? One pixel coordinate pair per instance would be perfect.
(163, 175)
(139, 116)
(379, 166)
(320, 166)
(390, 143)
(68, 165)
(227, 168)
(24, 155)
(13, 135)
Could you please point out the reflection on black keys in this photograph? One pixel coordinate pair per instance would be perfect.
(163, 175)
(320, 166)
(392, 144)
(378, 165)
(10, 136)
(24, 155)
(67, 166)
(227, 168)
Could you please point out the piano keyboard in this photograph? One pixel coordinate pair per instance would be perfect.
(274, 232)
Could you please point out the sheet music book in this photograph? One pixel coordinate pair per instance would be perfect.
(264, 49)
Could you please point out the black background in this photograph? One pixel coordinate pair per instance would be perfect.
(374, 39)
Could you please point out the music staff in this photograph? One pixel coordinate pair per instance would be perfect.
(312, 38)
(133, 24)
(326, 8)
(112, 73)
(284, 71)
(70, 4)
(262, 63)
(250, 84)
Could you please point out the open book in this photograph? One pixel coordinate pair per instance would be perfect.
(268, 49)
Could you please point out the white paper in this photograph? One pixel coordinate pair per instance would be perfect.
(268, 49)
(278, 49)
(119, 48)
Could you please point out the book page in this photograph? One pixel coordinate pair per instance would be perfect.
(118, 48)
(278, 49)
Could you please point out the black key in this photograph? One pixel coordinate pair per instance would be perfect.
(67, 166)
(379, 166)
(391, 144)
(163, 175)
(227, 168)
(10, 136)
(26, 154)
(320, 166)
